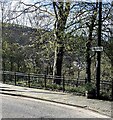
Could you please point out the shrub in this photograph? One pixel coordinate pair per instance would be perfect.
(80, 89)
(105, 95)
(90, 87)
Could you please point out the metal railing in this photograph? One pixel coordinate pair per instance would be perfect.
(47, 81)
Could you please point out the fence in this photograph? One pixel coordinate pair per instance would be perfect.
(47, 82)
(38, 80)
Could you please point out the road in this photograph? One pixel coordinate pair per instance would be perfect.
(20, 107)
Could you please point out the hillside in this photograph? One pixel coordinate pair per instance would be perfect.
(20, 34)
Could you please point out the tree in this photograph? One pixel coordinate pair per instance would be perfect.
(61, 10)
(91, 26)
(62, 26)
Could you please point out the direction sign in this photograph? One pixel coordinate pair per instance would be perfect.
(98, 48)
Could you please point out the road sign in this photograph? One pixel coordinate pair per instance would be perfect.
(98, 48)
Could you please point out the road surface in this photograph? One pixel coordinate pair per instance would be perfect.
(20, 107)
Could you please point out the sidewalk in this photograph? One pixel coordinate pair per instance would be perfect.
(103, 107)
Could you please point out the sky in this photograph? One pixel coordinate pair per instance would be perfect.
(71, 0)
(14, 2)
(31, 1)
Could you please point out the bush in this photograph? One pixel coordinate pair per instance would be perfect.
(90, 87)
(90, 90)
(105, 95)
(53, 87)
(80, 89)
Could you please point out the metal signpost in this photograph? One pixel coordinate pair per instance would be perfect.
(98, 68)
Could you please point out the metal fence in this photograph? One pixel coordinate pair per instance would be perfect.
(47, 81)
(38, 80)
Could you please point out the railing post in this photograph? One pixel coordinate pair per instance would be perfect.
(15, 78)
(63, 83)
(45, 76)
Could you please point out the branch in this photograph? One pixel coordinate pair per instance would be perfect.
(26, 10)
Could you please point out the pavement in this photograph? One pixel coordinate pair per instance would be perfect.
(100, 106)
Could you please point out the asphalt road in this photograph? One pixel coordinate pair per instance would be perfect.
(19, 107)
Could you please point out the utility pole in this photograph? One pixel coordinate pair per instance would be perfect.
(98, 68)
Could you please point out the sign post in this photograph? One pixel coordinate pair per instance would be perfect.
(98, 66)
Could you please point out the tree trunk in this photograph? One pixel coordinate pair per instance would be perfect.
(88, 45)
(11, 67)
(54, 66)
(88, 62)
(59, 61)
(61, 10)
(3, 64)
(18, 65)
(11, 62)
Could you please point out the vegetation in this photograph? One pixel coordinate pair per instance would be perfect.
(56, 38)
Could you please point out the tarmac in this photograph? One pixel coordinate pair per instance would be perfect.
(100, 106)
